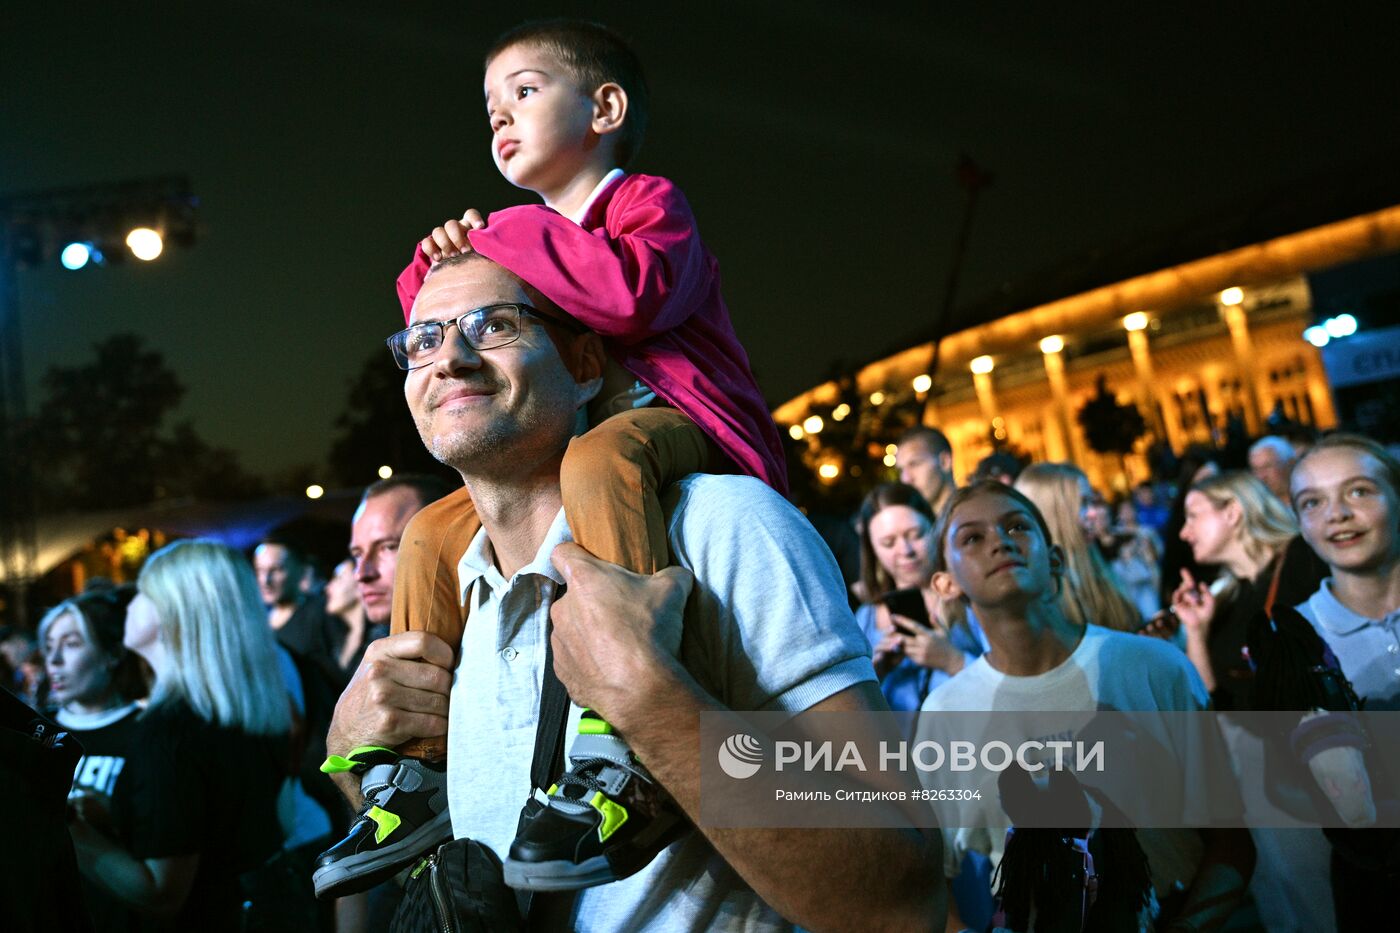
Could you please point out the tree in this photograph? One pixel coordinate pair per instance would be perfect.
(1110, 428)
(377, 430)
(97, 439)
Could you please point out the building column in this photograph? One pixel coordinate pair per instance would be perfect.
(1232, 309)
(1050, 349)
(982, 381)
(1151, 403)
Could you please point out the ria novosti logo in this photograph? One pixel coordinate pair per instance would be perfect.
(740, 756)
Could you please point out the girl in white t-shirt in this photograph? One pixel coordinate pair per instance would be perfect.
(992, 548)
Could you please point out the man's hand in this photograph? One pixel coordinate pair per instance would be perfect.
(615, 631)
(451, 238)
(399, 692)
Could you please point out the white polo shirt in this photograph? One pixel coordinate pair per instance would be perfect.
(767, 628)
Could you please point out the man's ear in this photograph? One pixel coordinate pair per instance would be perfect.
(587, 362)
(945, 586)
(609, 108)
(945, 462)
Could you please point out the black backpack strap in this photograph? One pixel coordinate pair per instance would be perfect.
(549, 911)
(548, 762)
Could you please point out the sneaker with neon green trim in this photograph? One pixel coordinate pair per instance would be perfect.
(604, 820)
(404, 816)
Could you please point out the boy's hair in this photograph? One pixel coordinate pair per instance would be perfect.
(982, 487)
(1358, 442)
(594, 55)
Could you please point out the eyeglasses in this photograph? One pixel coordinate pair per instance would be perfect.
(483, 329)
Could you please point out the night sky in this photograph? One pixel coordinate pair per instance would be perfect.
(816, 142)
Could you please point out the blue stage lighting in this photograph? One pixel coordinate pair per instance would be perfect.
(75, 255)
(1317, 336)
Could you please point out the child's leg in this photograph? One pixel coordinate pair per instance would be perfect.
(612, 478)
(426, 597)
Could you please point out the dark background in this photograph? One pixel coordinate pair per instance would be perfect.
(816, 141)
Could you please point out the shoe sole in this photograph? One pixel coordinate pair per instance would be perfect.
(361, 872)
(564, 875)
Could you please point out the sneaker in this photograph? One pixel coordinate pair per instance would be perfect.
(604, 820)
(404, 815)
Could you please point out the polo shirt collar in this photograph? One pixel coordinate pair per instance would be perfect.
(1333, 615)
(479, 561)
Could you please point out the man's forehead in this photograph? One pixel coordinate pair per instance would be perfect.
(384, 514)
(454, 290)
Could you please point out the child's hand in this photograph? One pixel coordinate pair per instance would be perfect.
(451, 238)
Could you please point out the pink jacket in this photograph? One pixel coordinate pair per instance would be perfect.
(636, 272)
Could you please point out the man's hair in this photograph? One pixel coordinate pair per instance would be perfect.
(997, 464)
(985, 487)
(555, 318)
(1278, 445)
(935, 440)
(1390, 466)
(593, 55)
(295, 548)
(426, 487)
(873, 577)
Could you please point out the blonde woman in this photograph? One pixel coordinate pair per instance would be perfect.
(213, 750)
(1091, 593)
(1235, 523)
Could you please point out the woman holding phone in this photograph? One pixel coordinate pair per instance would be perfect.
(915, 647)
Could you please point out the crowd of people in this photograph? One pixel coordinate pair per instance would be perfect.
(487, 715)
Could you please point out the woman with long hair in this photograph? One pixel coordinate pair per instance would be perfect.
(1235, 524)
(912, 655)
(1091, 593)
(213, 752)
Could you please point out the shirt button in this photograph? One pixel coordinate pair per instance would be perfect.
(510, 654)
(1392, 648)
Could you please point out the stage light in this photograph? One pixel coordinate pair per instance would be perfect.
(75, 255)
(1135, 321)
(982, 365)
(314, 491)
(1317, 336)
(1343, 325)
(796, 433)
(841, 412)
(889, 460)
(1052, 344)
(1232, 296)
(829, 471)
(877, 398)
(813, 424)
(923, 382)
(145, 244)
(386, 471)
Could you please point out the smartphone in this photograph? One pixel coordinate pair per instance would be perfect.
(908, 603)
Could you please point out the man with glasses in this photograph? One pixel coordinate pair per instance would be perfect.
(767, 627)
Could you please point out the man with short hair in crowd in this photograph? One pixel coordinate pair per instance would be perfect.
(375, 534)
(925, 461)
(766, 628)
(298, 618)
(1271, 460)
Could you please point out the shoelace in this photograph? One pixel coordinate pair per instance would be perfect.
(581, 776)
